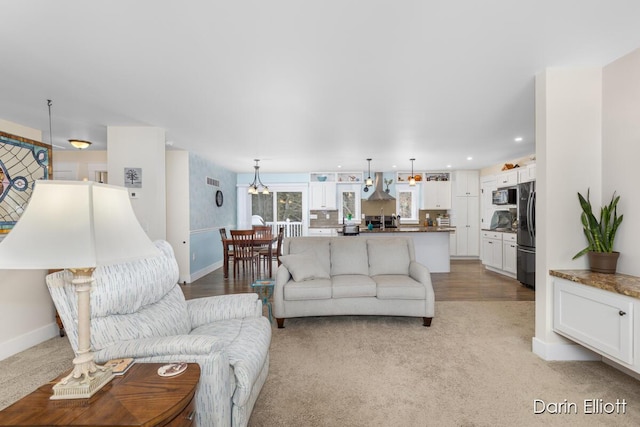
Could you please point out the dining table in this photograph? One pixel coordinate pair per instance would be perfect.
(258, 241)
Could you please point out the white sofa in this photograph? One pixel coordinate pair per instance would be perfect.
(138, 310)
(351, 275)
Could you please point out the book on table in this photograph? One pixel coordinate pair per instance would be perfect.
(119, 366)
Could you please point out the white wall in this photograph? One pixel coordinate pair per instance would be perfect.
(27, 316)
(568, 151)
(141, 147)
(178, 228)
(621, 151)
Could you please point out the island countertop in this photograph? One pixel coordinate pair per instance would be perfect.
(408, 229)
(618, 283)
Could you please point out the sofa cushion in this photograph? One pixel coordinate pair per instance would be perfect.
(304, 266)
(353, 285)
(349, 256)
(398, 286)
(307, 290)
(388, 256)
(315, 245)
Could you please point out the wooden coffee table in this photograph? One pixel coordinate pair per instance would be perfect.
(138, 398)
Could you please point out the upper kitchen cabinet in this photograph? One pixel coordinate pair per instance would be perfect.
(322, 191)
(466, 183)
(436, 191)
(527, 173)
(322, 195)
(508, 178)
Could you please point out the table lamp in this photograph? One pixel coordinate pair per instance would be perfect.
(77, 225)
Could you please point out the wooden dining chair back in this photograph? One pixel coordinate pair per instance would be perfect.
(227, 249)
(245, 252)
(279, 245)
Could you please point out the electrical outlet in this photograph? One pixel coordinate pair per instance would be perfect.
(193, 257)
(313, 216)
(327, 216)
(133, 194)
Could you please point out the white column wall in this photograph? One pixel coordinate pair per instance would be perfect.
(27, 315)
(178, 227)
(621, 151)
(568, 151)
(141, 147)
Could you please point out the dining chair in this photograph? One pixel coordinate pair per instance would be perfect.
(227, 249)
(276, 249)
(244, 252)
(264, 242)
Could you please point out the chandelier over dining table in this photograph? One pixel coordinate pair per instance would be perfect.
(257, 186)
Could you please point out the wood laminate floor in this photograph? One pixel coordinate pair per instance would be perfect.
(467, 281)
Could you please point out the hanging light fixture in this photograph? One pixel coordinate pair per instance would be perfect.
(412, 178)
(257, 182)
(368, 182)
(80, 144)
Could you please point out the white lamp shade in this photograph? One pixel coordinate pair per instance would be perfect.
(75, 224)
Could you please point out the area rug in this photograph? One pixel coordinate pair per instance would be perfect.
(472, 367)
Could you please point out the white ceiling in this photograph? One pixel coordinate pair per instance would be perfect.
(303, 85)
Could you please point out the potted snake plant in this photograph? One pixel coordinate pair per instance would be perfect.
(600, 234)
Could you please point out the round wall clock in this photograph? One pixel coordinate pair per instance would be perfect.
(219, 198)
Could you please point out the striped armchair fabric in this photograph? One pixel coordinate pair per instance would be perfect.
(138, 310)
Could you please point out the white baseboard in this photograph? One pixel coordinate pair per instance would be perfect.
(562, 351)
(20, 343)
(201, 273)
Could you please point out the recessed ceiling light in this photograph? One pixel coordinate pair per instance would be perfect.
(469, 158)
(448, 166)
(518, 139)
(339, 166)
(394, 166)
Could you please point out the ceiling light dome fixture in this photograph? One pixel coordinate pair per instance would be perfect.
(79, 143)
(412, 178)
(257, 182)
(368, 182)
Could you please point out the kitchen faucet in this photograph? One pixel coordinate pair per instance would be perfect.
(381, 218)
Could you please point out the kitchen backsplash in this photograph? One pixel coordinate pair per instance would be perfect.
(322, 220)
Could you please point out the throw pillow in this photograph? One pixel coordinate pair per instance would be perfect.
(388, 256)
(304, 266)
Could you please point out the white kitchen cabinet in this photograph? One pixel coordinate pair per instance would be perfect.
(487, 185)
(322, 195)
(323, 232)
(598, 319)
(492, 249)
(465, 216)
(466, 183)
(509, 253)
(527, 173)
(436, 195)
(508, 178)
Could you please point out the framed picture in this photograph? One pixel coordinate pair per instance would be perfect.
(22, 162)
(133, 177)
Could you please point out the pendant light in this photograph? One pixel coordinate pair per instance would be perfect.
(368, 182)
(412, 178)
(257, 182)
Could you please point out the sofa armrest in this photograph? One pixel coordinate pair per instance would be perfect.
(223, 307)
(282, 277)
(422, 274)
(172, 346)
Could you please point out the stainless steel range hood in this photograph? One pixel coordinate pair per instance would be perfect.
(379, 193)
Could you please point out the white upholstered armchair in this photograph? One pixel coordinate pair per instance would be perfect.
(138, 310)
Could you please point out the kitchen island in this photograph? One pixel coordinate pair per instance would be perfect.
(431, 243)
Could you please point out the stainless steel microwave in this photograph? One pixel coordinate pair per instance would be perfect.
(505, 196)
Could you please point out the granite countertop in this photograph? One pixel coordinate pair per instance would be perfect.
(501, 231)
(618, 283)
(406, 229)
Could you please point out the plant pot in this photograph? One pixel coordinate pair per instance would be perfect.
(603, 262)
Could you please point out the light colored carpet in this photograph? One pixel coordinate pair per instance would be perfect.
(472, 367)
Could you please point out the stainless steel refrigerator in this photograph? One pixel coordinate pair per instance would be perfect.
(527, 234)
